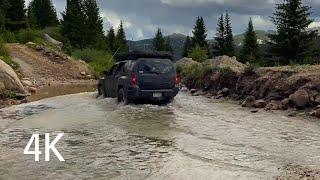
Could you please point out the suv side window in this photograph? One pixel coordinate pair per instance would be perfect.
(120, 68)
(128, 66)
(113, 70)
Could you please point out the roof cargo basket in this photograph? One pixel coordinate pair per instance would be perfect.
(135, 55)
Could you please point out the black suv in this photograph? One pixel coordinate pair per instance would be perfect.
(141, 77)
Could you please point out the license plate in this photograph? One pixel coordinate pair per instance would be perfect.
(157, 95)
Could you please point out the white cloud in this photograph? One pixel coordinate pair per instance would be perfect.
(314, 24)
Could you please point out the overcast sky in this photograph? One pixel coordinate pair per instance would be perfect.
(143, 17)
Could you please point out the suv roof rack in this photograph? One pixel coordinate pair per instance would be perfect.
(135, 55)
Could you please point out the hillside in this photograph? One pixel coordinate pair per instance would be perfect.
(177, 41)
(261, 35)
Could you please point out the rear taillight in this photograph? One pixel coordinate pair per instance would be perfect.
(134, 80)
(177, 80)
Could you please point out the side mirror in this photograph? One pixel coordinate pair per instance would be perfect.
(106, 73)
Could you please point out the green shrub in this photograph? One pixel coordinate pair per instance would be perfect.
(194, 73)
(5, 56)
(8, 37)
(250, 69)
(226, 71)
(29, 35)
(98, 60)
(198, 54)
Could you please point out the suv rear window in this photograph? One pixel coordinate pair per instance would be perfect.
(155, 66)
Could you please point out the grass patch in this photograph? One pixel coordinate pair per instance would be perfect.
(5, 56)
(98, 60)
(29, 35)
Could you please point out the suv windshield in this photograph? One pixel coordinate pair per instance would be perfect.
(155, 66)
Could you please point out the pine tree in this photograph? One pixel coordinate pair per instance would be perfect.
(292, 42)
(111, 41)
(167, 45)
(4, 5)
(41, 14)
(15, 15)
(94, 25)
(73, 24)
(220, 38)
(187, 46)
(199, 34)
(250, 49)
(121, 40)
(159, 41)
(229, 44)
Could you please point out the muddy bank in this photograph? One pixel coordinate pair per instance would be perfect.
(280, 88)
(62, 89)
(43, 72)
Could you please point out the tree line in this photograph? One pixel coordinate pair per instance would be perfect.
(293, 42)
(81, 25)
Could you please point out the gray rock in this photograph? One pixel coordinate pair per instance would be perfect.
(192, 91)
(26, 83)
(225, 91)
(260, 103)
(274, 105)
(249, 101)
(300, 98)
(184, 89)
(316, 113)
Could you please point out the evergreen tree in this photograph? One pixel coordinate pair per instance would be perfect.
(250, 49)
(121, 40)
(187, 47)
(111, 41)
(292, 42)
(94, 25)
(199, 34)
(4, 5)
(73, 24)
(31, 17)
(159, 41)
(167, 45)
(15, 15)
(229, 44)
(220, 38)
(41, 14)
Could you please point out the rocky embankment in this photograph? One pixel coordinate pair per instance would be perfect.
(290, 88)
(40, 67)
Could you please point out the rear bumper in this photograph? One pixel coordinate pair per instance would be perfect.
(135, 93)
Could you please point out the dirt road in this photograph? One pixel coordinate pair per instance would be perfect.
(192, 138)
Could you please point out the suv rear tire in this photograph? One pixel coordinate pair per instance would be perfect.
(122, 97)
(101, 91)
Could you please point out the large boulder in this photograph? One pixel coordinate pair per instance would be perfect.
(53, 41)
(9, 80)
(300, 98)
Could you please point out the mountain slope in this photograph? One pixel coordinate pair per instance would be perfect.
(177, 42)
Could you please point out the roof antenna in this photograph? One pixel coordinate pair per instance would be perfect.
(114, 54)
